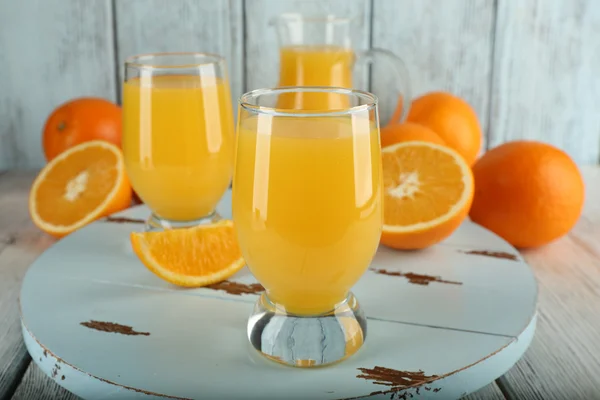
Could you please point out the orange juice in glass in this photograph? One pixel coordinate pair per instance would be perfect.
(315, 65)
(178, 140)
(307, 206)
(318, 50)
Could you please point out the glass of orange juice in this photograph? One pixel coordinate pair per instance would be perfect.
(307, 206)
(178, 135)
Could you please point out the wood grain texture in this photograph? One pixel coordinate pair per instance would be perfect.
(490, 392)
(20, 244)
(127, 292)
(529, 68)
(148, 26)
(51, 52)
(262, 48)
(546, 84)
(37, 385)
(563, 362)
(446, 45)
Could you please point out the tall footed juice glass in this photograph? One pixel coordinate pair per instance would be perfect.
(307, 206)
(178, 135)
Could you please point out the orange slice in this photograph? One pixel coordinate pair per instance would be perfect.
(190, 257)
(428, 190)
(80, 185)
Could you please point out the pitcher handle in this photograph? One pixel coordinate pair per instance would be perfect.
(373, 56)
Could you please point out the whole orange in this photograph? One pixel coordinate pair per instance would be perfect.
(452, 118)
(408, 131)
(527, 192)
(81, 120)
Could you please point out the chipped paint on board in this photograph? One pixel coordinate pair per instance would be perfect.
(496, 254)
(237, 288)
(416, 279)
(123, 220)
(112, 327)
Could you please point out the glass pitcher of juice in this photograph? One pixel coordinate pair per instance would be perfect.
(318, 51)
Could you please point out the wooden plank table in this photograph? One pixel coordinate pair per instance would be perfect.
(563, 361)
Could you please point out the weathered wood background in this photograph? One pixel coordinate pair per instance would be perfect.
(530, 68)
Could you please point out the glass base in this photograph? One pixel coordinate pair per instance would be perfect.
(307, 341)
(156, 223)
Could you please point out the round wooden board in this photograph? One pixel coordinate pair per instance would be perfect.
(442, 323)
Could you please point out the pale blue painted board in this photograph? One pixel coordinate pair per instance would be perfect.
(197, 336)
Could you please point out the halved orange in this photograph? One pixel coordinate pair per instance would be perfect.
(190, 257)
(428, 190)
(82, 184)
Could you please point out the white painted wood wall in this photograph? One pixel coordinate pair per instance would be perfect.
(530, 68)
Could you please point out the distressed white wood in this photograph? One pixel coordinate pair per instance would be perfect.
(454, 386)
(560, 363)
(490, 392)
(13, 357)
(568, 284)
(20, 244)
(546, 84)
(262, 48)
(446, 45)
(36, 385)
(148, 26)
(544, 56)
(563, 360)
(50, 51)
(468, 334)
